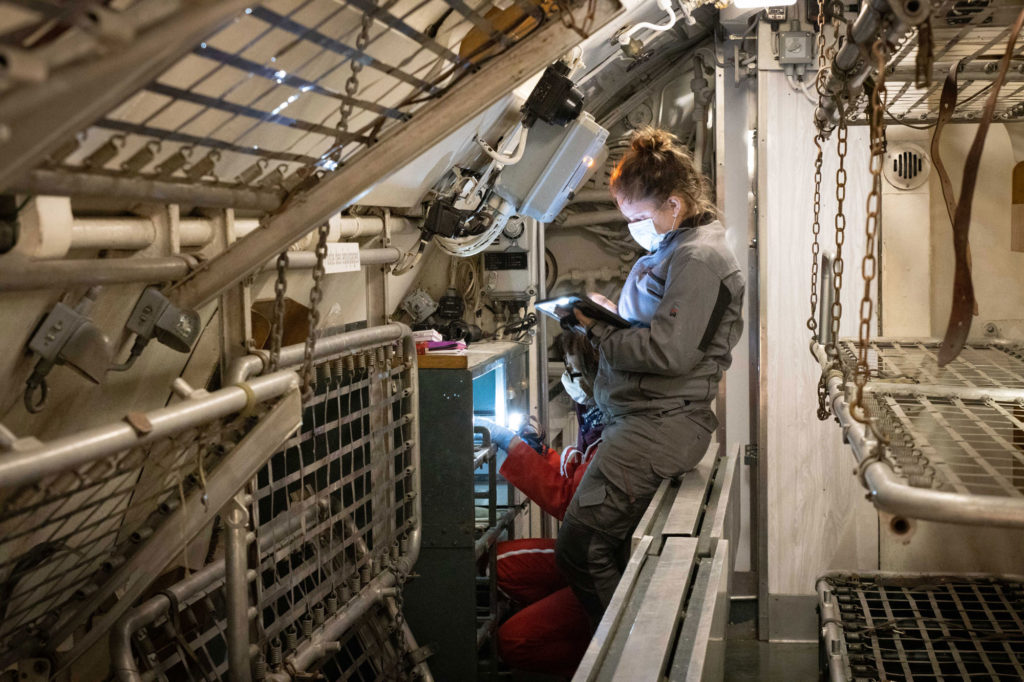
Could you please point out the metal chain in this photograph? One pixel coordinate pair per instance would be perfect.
(316, 294)
(812, 321)
(352, 84)
(840, 229)
(277, 324)
(869, 264)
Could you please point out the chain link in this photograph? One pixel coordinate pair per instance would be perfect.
(840, 229)
(352, 83)
(316, 294)
(277, 324)
(869, 264)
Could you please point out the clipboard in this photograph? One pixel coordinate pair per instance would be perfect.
(558, 308)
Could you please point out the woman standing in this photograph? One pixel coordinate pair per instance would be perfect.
(656, 380)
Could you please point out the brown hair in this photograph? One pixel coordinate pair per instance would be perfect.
(658, 166)
(571, 343)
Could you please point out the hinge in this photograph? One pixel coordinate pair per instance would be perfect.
(750, 454)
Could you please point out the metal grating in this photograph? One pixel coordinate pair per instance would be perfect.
(916, 361)
(974, 447)
(975, 31)
(345, 485)
(922, 628)
(258, 104)
(62, 537)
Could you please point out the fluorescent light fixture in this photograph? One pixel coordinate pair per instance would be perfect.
(748, 4)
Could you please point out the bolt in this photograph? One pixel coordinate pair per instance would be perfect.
(991, 329)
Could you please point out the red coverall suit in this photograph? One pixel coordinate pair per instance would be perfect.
(552, 632)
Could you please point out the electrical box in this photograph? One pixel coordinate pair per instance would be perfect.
(507, 274)
(555, 163)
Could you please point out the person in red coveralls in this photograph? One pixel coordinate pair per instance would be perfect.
(551, 632)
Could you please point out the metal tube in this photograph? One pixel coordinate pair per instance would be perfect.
(134, 576)
(56, 182)
(236, 566)
(30, 465)
(492, 534)
(121, 659)
(326, 346)
(340, 189)
(305, 260)
(313, 649)
(21, 274)
(40, 117)
(592, 195)
(591, 218)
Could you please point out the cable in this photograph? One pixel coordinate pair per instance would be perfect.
(502, 158)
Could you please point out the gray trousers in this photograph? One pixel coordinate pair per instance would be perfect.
(636, 454)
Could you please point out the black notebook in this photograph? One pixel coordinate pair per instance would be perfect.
(562, 306)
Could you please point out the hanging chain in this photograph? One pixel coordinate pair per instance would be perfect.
(812, 321)
(277, 324)
(316, 294)
(352, 83)
(840, 228)
(869, 264)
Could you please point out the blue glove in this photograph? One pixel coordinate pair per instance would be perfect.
(500, 436)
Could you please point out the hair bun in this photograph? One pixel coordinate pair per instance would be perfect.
(648, 140)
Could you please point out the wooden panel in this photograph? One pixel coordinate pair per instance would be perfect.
(684, 515)
(650, 639)
(817, 518)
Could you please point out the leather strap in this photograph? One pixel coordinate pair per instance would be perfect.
(947, 106)
(963, 288)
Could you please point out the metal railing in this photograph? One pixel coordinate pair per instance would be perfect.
(108, 509)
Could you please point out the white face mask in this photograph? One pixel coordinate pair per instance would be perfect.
(645, 234)
(573, 389)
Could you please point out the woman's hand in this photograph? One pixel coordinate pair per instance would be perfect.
(583, 319)
(603, 301)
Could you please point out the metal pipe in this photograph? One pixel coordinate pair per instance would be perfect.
(343, 187)
(591, 218)
(305, 260)
(134, 233)
(30, 465)
(91, 184)
(41, 116)
(22, 274)
(135, 575)
(236, 566)
(249, 365)
(316, 647)
(491, 536)
(121, 659)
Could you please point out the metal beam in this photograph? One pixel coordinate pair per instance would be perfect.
(473, 95)
(39, 118)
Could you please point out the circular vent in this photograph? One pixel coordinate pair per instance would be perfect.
(906, 166)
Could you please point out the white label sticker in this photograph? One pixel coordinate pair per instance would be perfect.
(342, 257)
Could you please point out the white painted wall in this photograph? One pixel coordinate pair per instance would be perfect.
(818, 519)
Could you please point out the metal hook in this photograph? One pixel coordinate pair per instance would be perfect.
(30, 388)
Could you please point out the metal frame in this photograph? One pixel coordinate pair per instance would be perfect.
(382, 549)
(921, 626)
(960, 30)
(891, 492)
(96, 489)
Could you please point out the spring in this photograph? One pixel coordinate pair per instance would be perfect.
(259, 668)
(291, 638)
(276, 655)
(318, 613)
(332, 605)
(307, 626)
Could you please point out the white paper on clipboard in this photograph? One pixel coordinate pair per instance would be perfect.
(342, 257)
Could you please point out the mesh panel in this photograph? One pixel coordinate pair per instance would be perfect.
(344, 484)
(974, 447)
(62, 537)
(928, 628)
(978, 365)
